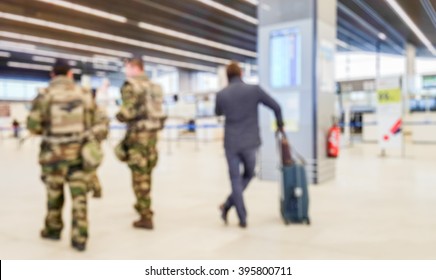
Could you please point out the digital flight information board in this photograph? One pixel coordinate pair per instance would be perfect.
(285, 58)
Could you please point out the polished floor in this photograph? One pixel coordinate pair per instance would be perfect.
(377, 208)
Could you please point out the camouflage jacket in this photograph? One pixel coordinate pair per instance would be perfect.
(134, 110)
(38, 121)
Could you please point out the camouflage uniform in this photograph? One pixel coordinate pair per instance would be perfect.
(138, 148)
(100, 131)
(61, 162)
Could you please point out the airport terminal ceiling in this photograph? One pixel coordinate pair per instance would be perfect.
(191, 34)
(361, 22)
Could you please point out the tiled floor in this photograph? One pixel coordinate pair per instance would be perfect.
(377, 208)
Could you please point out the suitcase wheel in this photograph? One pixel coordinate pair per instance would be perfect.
(286, 221)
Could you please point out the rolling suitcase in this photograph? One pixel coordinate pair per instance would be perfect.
(294, 201)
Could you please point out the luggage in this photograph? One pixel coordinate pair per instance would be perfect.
(294, 202)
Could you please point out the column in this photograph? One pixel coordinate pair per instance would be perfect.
(409, 86)
(296, 66)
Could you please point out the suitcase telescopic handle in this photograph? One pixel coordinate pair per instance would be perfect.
(281, 135)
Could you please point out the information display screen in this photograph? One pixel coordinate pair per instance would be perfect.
(285, 58)
(429, 82)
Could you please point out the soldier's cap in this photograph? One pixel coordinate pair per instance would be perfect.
(61, 67)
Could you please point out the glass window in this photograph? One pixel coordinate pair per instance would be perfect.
(204, 81)
(15, 90)
(19, 90)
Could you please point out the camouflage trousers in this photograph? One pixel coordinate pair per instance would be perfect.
(94, 184)
(142, 158)
(54, 177)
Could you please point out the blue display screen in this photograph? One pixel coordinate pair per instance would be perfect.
(285, 58)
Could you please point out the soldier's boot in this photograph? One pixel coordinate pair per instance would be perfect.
(51, 235)
(78, 246)
(144, 222)
(97, 194)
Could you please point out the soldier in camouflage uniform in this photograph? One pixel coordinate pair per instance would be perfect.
(100, 131)
(141, 110)
(62, 114)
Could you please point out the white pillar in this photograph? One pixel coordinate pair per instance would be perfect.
(222, 77)
(409, 77)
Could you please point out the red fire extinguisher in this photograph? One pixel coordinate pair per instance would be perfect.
(333, 138)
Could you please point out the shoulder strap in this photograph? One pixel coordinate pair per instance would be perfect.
(135, 84)
(89, 106)
(140, 92)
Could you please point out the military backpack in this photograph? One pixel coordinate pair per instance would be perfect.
(66, 111)
(149, 107)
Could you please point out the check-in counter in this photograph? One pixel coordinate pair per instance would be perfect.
(423, 127)
(369, 127)
(209, 129)
(172, 128)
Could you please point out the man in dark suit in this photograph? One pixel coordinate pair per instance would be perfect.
(239, 102)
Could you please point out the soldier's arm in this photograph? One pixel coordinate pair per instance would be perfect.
(36, 119)
(100, 129)
(127, 109)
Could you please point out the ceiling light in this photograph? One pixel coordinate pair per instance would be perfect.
(101, 59)
(195, 39)
(179, 64)
(397, 8)
(23, 48)
(86, 10)
(43, 59)
(18, 45)
(40, 67)
(166, 68)
(5, 54)
(169, 32)
(230, 11)
(65, 44)
(105, 67)
(382, 36)
(113, 38)
(342, 44)
(253, 2)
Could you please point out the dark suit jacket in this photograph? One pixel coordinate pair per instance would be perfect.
(239, 102)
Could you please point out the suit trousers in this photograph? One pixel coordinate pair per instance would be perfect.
(240, 178)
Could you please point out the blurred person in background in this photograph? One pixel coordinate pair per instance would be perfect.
(142, 111)
(239, 103)
(63, 115)
(16, 128)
